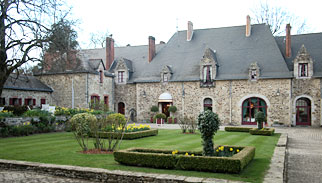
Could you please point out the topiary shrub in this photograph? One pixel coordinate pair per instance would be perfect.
(154, 109)
(208, 124)
(160, 115)
(260, 118)
(80, 125)
(172, 109)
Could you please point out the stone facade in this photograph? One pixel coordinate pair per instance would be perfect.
(21, 94)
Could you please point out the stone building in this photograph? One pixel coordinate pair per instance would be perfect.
(233, 71)
(25, 90)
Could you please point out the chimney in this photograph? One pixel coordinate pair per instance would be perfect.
(109, 52)
(248, 26)
(288, 52)
(151, 48)
(189, 31)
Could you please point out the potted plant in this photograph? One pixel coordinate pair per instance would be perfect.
(260, 118)
(154, 109)
(172, 109)
(160, 118)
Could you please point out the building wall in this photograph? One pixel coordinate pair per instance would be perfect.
(126, 93)
(26, 94)
(276, 92)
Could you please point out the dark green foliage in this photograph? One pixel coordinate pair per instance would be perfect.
(165, 159)
(36, 113)
(22, 130)
(160, 115)
(208, 124)
(154, 109)
(263, 131)
(172, 109)
(132, 135)
(16, 110)
(260, 118)
(237, 129)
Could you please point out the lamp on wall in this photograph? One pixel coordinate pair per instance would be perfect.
(143, 94)
(278, 92)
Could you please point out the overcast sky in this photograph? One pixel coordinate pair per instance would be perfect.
(133, 21)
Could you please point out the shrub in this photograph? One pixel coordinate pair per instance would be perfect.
(131, 135)
(237, 129)
(172, 109)
(116, 123)
(263, 131)
(36, 113)
(154, 109)
(5, 114)
(160, 115)
(16, 110)
(80, 125)
(208, 124)
(260, 117)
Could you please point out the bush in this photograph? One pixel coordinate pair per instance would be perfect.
(16, 110)
(263, 131)
(184, 160)
(160, 115)
(36, 113)
(116, 123)
(80, 125)
(260, 118)
(172, 109)
(237, 129)
(5, 114)
(131, 135)
(188, 124)
(154, 109)
(208, 124)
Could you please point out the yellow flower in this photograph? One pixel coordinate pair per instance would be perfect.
(186, 154)
(231, 149)
(28, 123)
(217, 150)
(56, 124)
(237, 150)
(192, 155)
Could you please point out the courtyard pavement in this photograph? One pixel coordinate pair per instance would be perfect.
(304, 158)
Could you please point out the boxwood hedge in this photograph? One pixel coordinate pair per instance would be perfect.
(133, 135)
(237, 129)
(264, 131)
(164, 159)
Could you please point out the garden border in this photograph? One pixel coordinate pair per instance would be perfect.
(266, 132)
(134, 135)
(237, 129)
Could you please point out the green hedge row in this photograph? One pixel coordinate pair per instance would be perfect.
(264, 131)
(132, 135)
(164, 159)
(237, 129)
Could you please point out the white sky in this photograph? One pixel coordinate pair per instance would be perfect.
(133, 21)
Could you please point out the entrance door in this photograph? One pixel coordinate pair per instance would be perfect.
(165, 106)
(250, 107)
(121, 108)
(303, 111)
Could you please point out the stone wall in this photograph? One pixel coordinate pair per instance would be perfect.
(188, 97)
(311, 89)
(126, 94)
(26, 94)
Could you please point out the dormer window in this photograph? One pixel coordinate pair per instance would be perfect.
(120, 76)
(207, 74)
(254, 72)
(253, 75)
(166, 74)
(303, 70)
(165, 77)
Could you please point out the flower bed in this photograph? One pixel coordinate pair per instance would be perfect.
(131, 135)
(188, 160)
(237, 129)
(263, 131)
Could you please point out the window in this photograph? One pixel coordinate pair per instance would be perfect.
(250, 107)
(15, 101)
(2, 101)
(121, 77)
(253, 75)
(207, 104)
(101, 76)
(303, 111)
(42, 101)
(303, 70)
(165, 77)
(95, 99)
(207, 74)
(106, 100)
(30, 101)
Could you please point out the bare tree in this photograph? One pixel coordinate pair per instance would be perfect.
(98, 39)
(23, 29)
(277, 18)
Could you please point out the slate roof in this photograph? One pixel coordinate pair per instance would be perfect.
(313, 45)
(27, 83)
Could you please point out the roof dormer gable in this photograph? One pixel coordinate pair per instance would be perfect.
(303, 64)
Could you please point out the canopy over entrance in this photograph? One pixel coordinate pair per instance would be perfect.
(165, 97)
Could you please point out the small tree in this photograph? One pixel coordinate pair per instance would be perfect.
(260, 118)
(172, 109)
(116, 123)
(208, 124)
(80, 125)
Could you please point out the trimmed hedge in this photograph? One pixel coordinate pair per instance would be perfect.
(237, 129)
(164, 159)
(133, 135)
(264, 131)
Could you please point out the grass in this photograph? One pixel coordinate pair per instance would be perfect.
(62, 148)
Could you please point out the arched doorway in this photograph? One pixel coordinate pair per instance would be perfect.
(165, 101)
(207, 104)
(250, 107)
(121, 108)
(303, 111)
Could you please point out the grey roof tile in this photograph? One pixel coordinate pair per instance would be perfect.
(27, 83)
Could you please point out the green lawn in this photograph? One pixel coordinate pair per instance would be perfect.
(62, 148)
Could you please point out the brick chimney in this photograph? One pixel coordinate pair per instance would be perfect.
(189, 31)
(151, 48)
(288, 52)
(109, 52)
(248, 26)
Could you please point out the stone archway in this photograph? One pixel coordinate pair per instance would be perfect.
(165, 101)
